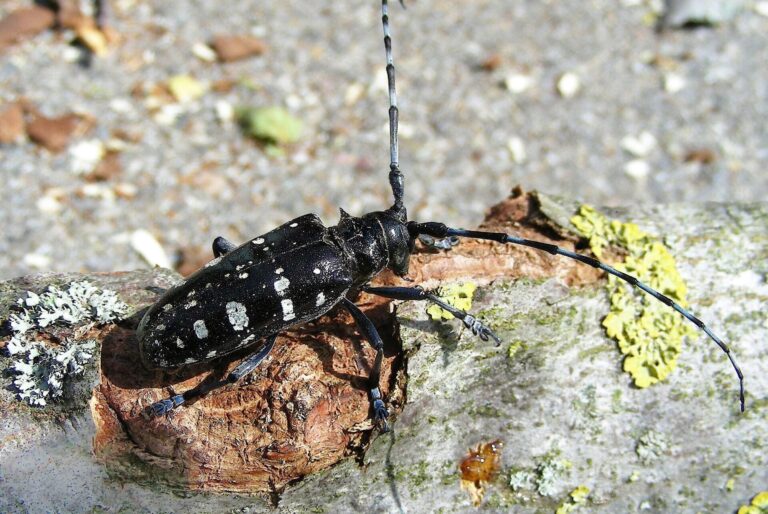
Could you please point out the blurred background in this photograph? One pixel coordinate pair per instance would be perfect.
(138, 141)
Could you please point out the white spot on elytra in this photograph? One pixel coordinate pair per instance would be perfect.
(210, 354)
(279, 270)
(320, 299)
(191, 293)
(316, 271)
(249, 339)
(293, 225)
(281, 285)
(167, 307)
(243, 275)
(237, 315)
(190, 304)
(179, 342)
(160, 328)
(201, 331)
(258, 241)
(191, 360)
(287, 310)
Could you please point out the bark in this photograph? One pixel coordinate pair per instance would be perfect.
(554, 393)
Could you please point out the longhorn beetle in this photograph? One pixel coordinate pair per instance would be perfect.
(302, 269)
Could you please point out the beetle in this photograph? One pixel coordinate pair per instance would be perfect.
(303, 269)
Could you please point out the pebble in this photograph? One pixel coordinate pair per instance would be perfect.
(674, 83)
(86, 155)
(638, 169)
(12, 126)
(516, 149)
(204, 52)
(568, 85)
(518, 83)
(639, 146)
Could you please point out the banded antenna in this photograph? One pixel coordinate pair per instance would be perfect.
(396, 179)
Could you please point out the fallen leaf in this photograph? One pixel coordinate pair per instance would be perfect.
(185, 88)
(24, 23)
(108, 168)
(491, 63)
(233, 48)
(55, 133)
(270, 124)
(701, 155)
(11, 123)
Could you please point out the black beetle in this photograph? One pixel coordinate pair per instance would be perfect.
(302, 269)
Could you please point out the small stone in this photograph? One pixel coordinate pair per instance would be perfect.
(518, 83)
(86, 155)
(12, 123)
(50, 202)
(568, 85)
(125, 190)
(38, 261)
(24, 23)
(639, 146)
(673, 83)
(491, 63)
(92, 37)
(701, 155)
(121, 105)
(516, 149)
(108, 168)
(224, 111)
(149, 248)
(638, 169)
(204, 52)
(233, 48)
(354, 93)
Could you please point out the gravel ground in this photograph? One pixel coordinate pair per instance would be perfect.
(192, 176)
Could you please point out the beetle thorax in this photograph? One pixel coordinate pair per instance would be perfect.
(374, 242)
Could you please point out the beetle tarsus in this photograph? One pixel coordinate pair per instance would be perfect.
(417, 293)
(380, 412)
(162, 407)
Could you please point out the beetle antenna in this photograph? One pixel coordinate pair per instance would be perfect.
(441, 231)
(396, 179)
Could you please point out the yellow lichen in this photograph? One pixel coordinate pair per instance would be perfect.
(759, 504)
(578, 497)
(458, 295)
(648, 333)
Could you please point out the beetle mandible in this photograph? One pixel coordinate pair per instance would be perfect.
(302, 269)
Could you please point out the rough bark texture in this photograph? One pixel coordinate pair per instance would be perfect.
(554, 392)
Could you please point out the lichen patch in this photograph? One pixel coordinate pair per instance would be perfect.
(649, 333)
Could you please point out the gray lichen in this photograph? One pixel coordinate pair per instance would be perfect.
(42, 370)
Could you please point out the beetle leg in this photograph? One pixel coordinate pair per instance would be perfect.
(417, 293)
(245, 367)
(365, 325)
(222, 246)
